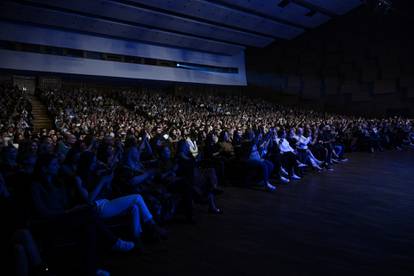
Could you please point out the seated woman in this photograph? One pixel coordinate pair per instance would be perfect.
(203, 181)
(53, 217)
(131, 174)
(288, 156)
(305, 154)
(273, 155)
(255, 161)
(94, 186)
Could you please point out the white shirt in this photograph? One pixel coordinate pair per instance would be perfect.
(193, 147)
(303, 142)
(285, 146)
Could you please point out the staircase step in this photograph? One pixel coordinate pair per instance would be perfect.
(40, 114)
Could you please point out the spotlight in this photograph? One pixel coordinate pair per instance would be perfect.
(382, 6)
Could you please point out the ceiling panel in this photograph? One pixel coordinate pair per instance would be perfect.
(292, 12)
(216, 26)
(59, 19)
(154, 19)
(217, 13)
(336, 6)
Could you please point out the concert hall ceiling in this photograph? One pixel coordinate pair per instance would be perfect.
(216, 26)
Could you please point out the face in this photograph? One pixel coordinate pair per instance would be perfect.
(34, 147)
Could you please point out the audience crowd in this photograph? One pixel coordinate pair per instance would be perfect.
(120, 165)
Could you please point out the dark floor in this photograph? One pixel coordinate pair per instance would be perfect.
(357, 220)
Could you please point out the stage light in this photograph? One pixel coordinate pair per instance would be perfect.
(383, 6)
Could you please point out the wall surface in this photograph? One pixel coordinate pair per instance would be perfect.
(362, 63)
(71, 65)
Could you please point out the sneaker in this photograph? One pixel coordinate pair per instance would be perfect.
(283, 171)
(123, 246)
(270, 187)
(316, 167)
(284, 180)
(295, 177)
(344, 160)
(301, 165)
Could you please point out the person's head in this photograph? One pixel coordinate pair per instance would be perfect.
(281, 133)
(33, 147)
(105, 152)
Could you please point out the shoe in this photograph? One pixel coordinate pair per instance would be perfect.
(295, 177)
(301, 165)
(215, 211)
(270, 187)
(316, 167)
(335, 161)
(123, 246)
(283, 171)
(344, 160)
(284, 180)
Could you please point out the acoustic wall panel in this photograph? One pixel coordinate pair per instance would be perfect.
(311, 88)
(331, 86)
(363, 94)
(407, 85)
(293, 86)
(385, 87)
(349, 87)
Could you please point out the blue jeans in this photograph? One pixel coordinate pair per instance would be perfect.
(132, 204)
(265, 166)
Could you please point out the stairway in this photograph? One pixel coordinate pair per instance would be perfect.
(41, 119)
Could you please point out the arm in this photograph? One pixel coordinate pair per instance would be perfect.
(89, 197)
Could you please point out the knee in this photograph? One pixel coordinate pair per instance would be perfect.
(138, 199)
